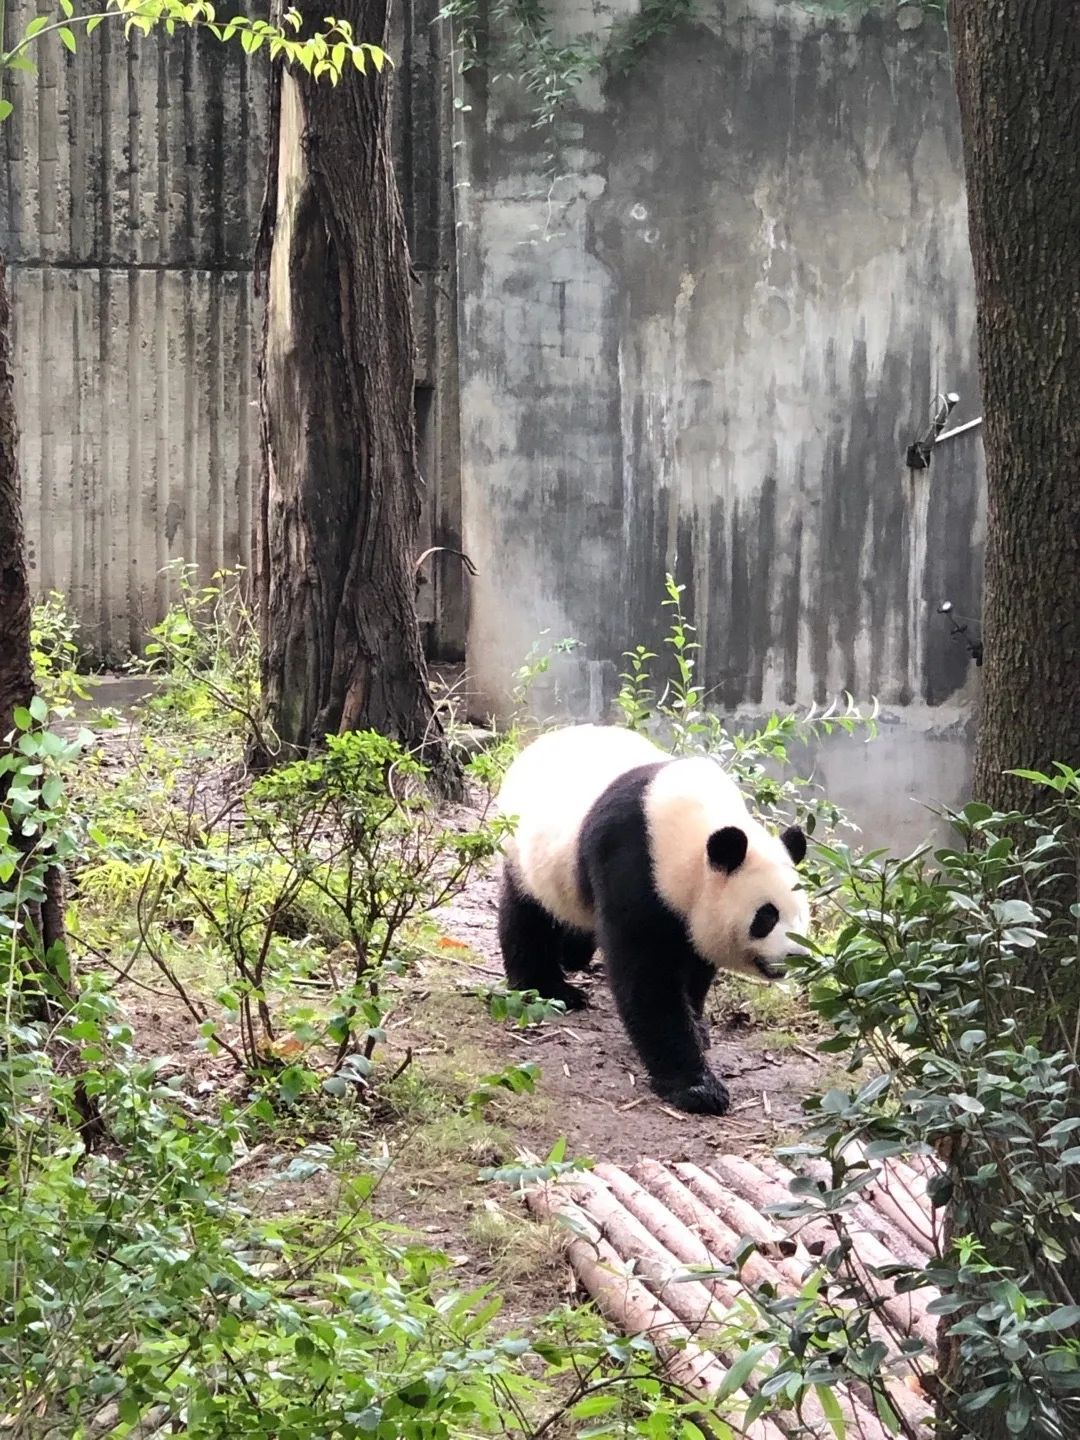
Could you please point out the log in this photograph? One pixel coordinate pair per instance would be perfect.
(901, 1195)
(742, 1219)
(691, 1300)
(626, 1301)
(873, 1214)
(907, 1311)
(721, 1239)
(681, 1242)
(677, 1196)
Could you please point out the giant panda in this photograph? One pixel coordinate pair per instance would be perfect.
(657, 862)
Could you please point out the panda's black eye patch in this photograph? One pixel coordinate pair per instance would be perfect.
(764, 922)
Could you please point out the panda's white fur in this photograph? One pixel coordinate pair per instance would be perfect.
(550, 788)
(554, 783)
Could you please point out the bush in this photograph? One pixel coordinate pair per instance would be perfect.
(204, 656)
(953, 980)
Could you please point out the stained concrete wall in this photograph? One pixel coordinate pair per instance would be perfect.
(133, 176)
(704, 347)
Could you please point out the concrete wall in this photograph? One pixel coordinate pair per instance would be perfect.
(132, 177)
(704, 347)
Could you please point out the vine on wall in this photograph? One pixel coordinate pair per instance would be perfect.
(515, 37)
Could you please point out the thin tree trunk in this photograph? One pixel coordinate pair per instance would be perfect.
(341, 488)
(16, 677)
(16, 667)
(1018, 81)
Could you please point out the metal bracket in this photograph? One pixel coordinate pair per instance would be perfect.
(920, 451)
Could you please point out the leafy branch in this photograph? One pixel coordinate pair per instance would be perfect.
(329, 52)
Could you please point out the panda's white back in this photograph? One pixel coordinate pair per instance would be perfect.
(551, 787)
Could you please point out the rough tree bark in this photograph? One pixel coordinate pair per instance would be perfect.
(341, 487)
(16, 677)
(1017, 68)
(1018, 80)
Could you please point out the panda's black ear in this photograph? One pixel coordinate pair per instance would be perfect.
(795, 843)
(727, 848)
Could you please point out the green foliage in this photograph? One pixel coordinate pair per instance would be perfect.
(55, 655)
(653, 20)
(523, 1007)
(140, 1288)
(36, 830)
(514, 1079)
(536, 664)
(166, 1284)
(345, 849)
(517, 37)
(330, 52)
(953, 980)
(531, 1171)
(204, 657)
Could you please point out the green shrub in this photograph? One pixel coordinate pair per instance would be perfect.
(953, 979)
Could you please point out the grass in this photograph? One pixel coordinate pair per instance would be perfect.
(736, 1002)
(521, 1253)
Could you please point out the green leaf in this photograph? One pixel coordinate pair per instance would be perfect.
(830, 1408)
(39, 709)
(6, 108)
(36, 26)
(21, 716)
(886, 1414)
(67, 7)
(741, 1371)
(67, 38)
(93, 23)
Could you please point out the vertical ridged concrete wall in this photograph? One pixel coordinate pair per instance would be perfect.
(132, 180)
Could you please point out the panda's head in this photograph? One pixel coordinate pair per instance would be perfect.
(751, 901)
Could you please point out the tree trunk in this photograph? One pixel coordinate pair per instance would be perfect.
(1018, 81)
(16, 677)
(341, 487)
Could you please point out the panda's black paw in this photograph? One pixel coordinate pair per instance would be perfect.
(573, 997)
(704, 1034)
(709, 1096)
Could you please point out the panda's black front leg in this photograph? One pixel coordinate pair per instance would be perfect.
(699, 979)
(648, 965)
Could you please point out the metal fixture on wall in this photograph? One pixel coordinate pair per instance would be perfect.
(959, 631)
(920, 452)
